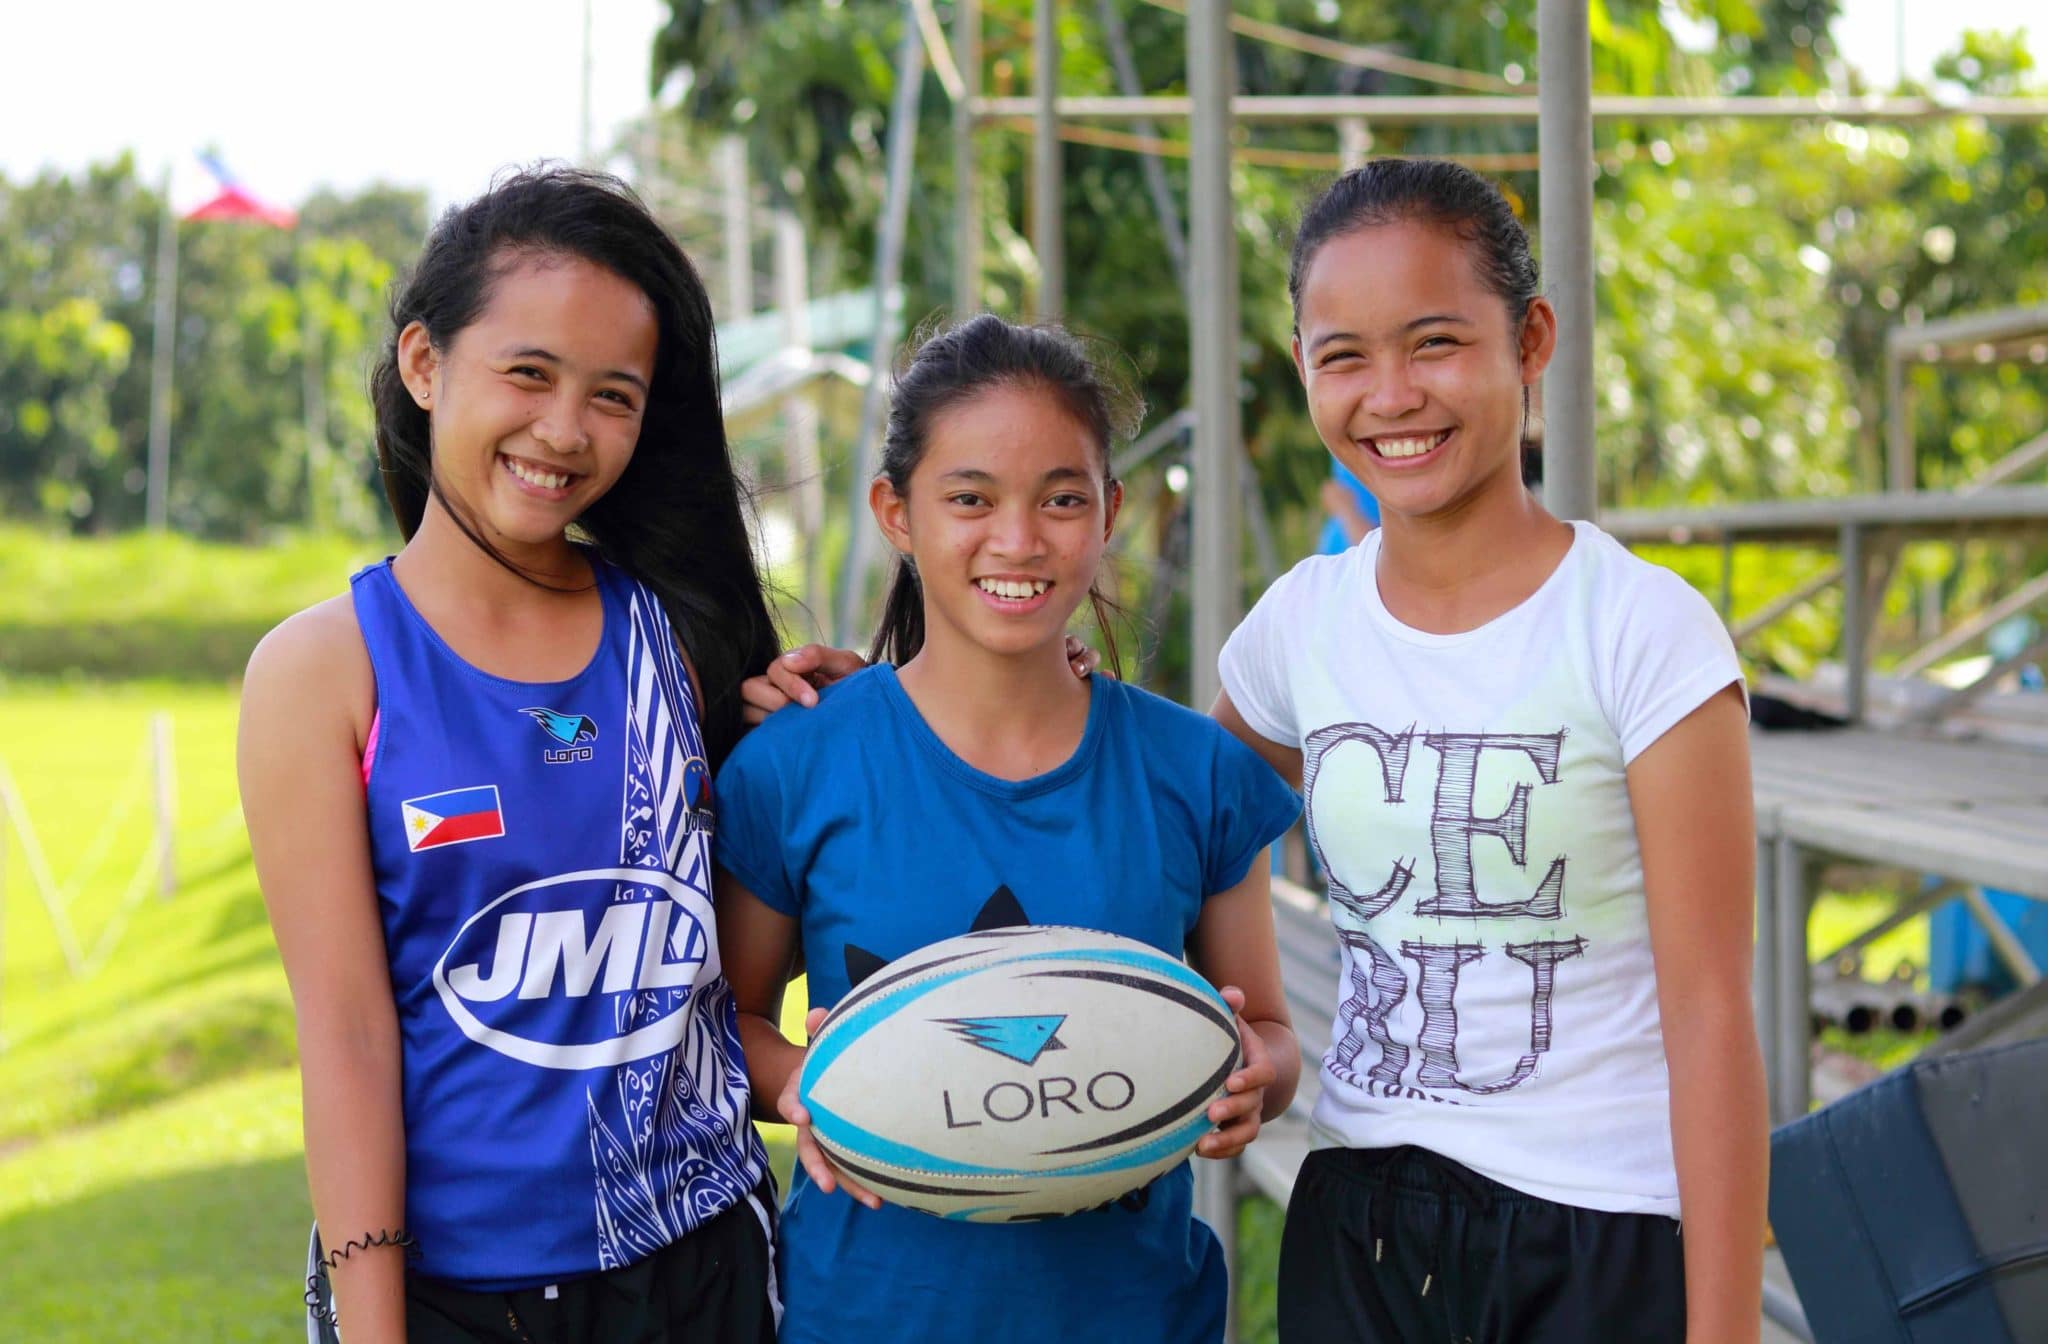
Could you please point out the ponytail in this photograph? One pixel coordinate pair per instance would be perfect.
(901, 633)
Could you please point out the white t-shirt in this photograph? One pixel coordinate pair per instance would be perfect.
(1467, 798)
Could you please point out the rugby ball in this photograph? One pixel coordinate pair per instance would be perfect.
(1017, 1074)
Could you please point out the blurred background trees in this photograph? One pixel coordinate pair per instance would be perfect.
(1748, 270)
(274, 332)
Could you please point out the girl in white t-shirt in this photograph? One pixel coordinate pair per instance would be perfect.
(1526, 764)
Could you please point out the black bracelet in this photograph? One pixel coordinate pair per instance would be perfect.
(332, 1260)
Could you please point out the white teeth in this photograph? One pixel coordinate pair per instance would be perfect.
(1014, 589)
(1411, 447)
(547, 480)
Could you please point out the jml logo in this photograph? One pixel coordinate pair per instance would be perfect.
(523, 975)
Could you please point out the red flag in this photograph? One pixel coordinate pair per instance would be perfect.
(233, 201)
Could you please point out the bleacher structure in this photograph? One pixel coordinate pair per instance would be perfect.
(1950, 781)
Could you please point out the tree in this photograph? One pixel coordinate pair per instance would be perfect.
(1748, 270)
(77, 264)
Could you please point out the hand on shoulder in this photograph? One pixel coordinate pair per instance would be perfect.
(796, 677)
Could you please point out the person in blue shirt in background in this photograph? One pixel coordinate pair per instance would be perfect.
(968, 780)
(1351, 509)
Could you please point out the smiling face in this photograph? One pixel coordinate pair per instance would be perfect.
(537, 404)
(1414, 371)
(1006, 516)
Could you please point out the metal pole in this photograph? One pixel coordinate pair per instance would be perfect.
(1216, 1204)
(966, 169)
(313, 409)
(163, 342)
(1156, 185)
(1855, 610)
(1782, 1309)
(1045, 163)
(2004, 942)
(583, 123)
(1494, 109)
(898, 160)
(1763, 988)
(1899, 45)
(1354, 142)
(739, 228)
(166, 804)
(1898, 426)
(1794, 991)
(799, 412)
(1564, 139)
(1727, 579)
(1213, 354)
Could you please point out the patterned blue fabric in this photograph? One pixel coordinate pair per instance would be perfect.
(574, 1094)
(857, 820)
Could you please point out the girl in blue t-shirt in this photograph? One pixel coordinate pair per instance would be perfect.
(477, 796)
(969, 780)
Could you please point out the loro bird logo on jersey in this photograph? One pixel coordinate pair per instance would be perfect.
(567, 729)
(571, 730)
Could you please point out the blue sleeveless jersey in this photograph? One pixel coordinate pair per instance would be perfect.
(574, 1093)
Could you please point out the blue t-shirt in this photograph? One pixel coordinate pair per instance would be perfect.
(1333, 539)
(855, 819)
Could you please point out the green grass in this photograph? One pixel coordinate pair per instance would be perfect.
(181, 1221)
(151, 1169)
(1258, 1257)
(192, 990)
(49, 579)
(150, 1177)
(144, 605)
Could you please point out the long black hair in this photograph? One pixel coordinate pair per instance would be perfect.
(956, 364)
(1434, 191)
(675, 519)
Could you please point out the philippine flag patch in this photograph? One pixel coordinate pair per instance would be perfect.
(452, 817)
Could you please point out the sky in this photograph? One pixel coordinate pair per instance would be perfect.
(429, 93)
(441, 93)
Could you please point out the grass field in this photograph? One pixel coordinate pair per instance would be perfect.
(46, 579)
(150, 1162)
(151, 1168)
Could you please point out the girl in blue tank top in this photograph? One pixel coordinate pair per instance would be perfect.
(968, 782)
(478, 789)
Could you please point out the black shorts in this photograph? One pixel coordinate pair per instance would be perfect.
(1387, 1245)
(716, 1285)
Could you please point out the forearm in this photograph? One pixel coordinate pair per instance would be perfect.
(1720, 1139)
(771, 1058)
(355, 1168)
(1284, 1052)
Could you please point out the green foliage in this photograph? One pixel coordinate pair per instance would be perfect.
(144, 605)
(274, 332)
(1259, 1221)
(1748, 270)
